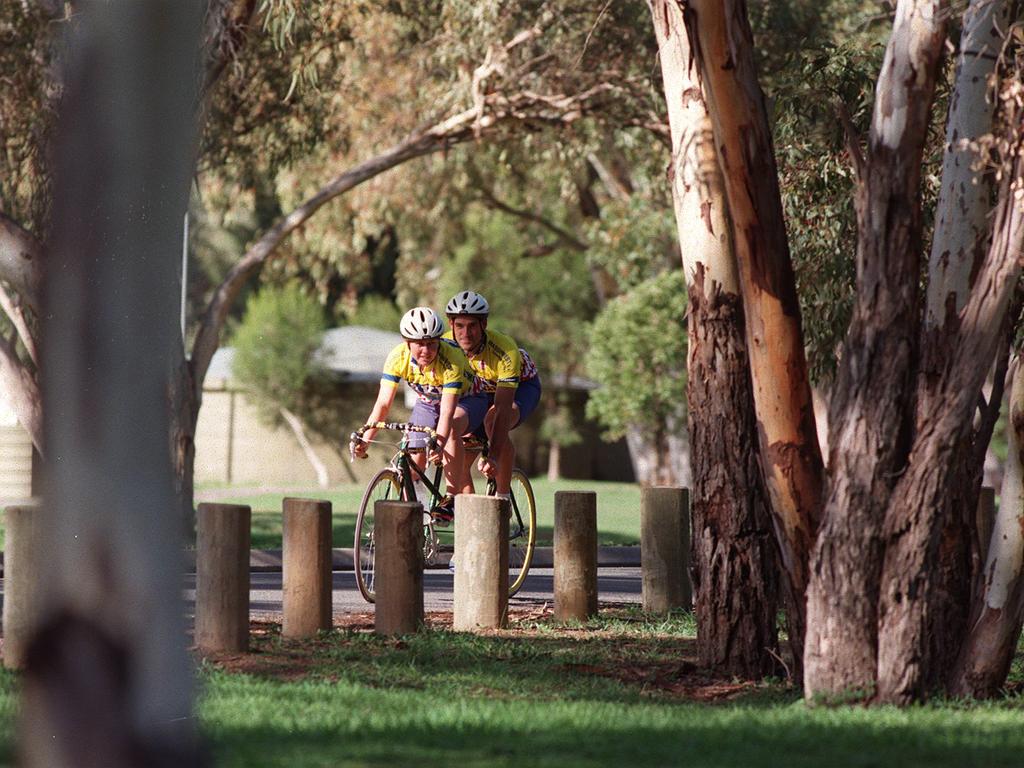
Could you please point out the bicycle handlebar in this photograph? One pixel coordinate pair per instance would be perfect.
(398, 426)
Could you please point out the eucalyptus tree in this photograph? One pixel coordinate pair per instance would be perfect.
(881, 605)
(734, 561)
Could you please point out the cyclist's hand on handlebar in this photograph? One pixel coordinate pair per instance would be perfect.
(358, 448)
(435, 450)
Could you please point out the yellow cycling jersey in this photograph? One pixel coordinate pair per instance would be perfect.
(449, 373)
(499, 362)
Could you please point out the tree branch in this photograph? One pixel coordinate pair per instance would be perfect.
(853, 140)
(227, 24)
(564, 235)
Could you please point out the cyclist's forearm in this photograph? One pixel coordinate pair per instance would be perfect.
(385, 397)
(445, 416)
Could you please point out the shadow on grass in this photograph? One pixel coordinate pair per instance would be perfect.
(339, 725)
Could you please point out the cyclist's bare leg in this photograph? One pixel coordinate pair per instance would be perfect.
(467, 473)
(454, 455)
(506, 459)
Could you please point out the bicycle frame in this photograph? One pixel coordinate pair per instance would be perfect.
(402, 472)
(402, 462)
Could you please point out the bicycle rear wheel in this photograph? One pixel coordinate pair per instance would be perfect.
(522, 530)
(384, 486)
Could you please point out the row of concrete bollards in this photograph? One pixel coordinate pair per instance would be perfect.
(481, 566)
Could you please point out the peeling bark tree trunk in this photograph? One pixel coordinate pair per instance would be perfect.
(965, 197)
(913, 522)
(998, 606)
(958, 248)
(869, 422)
(734, 559)
(790, 455)
(108, 681)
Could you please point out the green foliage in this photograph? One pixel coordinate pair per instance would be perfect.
(634, 240)
(274, 348)
(816, 178)
(559, 420)
(544, 302)
(637, 351)
(375, 311)
(28, 100)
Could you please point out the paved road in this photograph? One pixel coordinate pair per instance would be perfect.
(618, 585)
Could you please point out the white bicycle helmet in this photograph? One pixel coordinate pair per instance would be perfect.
(467, 303)
(421, 323)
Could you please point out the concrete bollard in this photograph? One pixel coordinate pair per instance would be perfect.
(306, 567)
(665, 549)
(575, 555)
(398, 567)
(222, 578)
(985, 520)
(481, 562)
(22, 575)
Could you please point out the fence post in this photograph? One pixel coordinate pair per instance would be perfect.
(575, 555)
(398, 567)
(306, 567)
(481, 562)
(22, 574)
(665, 548)
(222, 578)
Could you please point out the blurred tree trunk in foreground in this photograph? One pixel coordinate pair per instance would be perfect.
(108, 680)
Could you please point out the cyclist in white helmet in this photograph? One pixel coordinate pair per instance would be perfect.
(448, 397)
(508, 376)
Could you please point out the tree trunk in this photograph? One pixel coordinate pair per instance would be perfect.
(998, 606)
(554, 460)
(790, 455)
(910, 584)
(641, 454)
(965, 197)
(734, 558)
(183, 401)
(108, 681)
(958, 248)
(869, 420)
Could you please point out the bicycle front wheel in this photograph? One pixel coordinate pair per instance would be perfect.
(522, 530)
(385, 486)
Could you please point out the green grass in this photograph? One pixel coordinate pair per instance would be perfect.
(618, 510)
(619, 691)
(551, 697)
